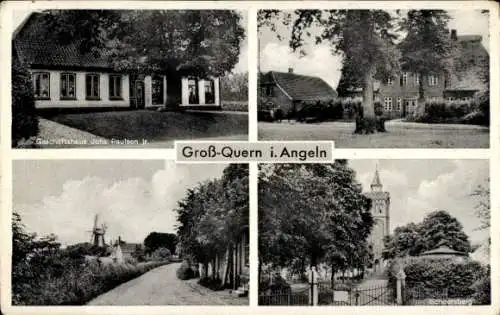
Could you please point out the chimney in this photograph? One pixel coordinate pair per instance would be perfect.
(290, 70)
(454, 35)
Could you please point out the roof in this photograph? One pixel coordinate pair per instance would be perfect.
(443, 250)
(376, 179)
(301, 87)
(129, 247)
(34, 47)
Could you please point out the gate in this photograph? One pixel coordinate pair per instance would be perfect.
(376, 295)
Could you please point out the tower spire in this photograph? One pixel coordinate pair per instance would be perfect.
(376, 183)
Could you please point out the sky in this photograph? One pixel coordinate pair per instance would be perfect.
(320, 62)
(418, 187)
(133, 198)
(242, 66)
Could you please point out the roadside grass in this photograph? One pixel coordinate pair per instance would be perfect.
(78, 285)
(154, 126)
(395, 137)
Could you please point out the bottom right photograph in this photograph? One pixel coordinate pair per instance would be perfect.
(375, 232)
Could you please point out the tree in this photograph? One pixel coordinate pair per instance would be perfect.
(195, 42)
(482, 193)
(405, 240)
(161, 253)
(213, 216)
(234, 87)
(313, 212)
(24, 118)
(440, 228)
(426, 48)
(363, 37)
(156, 240)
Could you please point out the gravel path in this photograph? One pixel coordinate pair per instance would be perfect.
(161, 286)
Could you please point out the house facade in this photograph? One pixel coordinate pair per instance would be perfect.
(65, 77)
(399, 93)
(290, 91)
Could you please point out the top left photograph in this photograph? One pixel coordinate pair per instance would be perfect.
(128, 78)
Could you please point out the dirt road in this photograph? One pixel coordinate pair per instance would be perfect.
(161, 286)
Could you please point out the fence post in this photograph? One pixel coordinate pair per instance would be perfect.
(313, 286)
(400, 284)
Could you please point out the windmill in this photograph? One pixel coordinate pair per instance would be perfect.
(97, 237)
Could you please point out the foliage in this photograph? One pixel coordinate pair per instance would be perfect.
(185, 271)
(161, 253)
(195, 42)
(438, 228)
(24, 118)
(156, 240)
(365, 39)
(213, 215)
(482, 288)
(313, 211)
(234, 87)
(234, 106)
(483, 206)
(427, 47)
(45, 274)
(432, 276)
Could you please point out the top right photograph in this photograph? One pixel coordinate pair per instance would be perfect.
(375, 78)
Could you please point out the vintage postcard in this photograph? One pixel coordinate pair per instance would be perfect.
(248, 157)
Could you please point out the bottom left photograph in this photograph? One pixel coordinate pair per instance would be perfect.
(129, 232)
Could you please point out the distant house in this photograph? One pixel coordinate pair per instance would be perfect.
(399, 93)
(64, 77)
(289, 90)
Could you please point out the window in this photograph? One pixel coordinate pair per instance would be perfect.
(399, 104)
(405, 78)
(388, 104)
(450, 99)
(269, 90)
(68, 86)
(41, 85)
(416, 79)
(209, 92)
(115, 87)
(92, 86)
(433, 80)
(193, 91)
(390, 81)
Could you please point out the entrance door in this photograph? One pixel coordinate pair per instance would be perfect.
(139, 94)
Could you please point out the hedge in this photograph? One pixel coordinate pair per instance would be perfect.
(426, 275)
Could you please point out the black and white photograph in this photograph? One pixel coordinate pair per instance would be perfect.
(375, 232)
(129, 232)
(375, 78)
(128, 78)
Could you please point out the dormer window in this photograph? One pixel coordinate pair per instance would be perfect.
(390, 81)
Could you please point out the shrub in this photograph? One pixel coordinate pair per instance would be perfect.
(482, 289)
(24, 118)
(475, 111)
(431, 276)
(161, 253)
(185, 271)
(235, 106)
(212, 284)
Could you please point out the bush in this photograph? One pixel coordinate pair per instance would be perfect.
(24, 118)
(437, 275)
(475, 111)
(235, 106)
(185, 271)
(161, 253)
(482, 289)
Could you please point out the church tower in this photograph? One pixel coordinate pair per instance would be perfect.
(380, 212)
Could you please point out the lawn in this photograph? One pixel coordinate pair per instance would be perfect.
(157, 127)
(397, 135)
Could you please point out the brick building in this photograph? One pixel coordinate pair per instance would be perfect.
(399, 94)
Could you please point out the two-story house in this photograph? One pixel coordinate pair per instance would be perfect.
(399, 93)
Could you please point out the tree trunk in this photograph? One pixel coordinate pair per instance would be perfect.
(420, 108)
(332, 277)
(366, 121)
